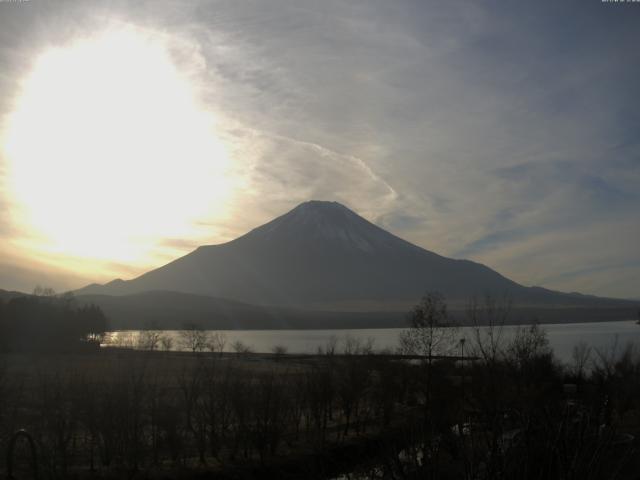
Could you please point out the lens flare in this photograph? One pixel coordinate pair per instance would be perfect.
(109, 152)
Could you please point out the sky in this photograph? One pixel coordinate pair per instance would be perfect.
(502, 132)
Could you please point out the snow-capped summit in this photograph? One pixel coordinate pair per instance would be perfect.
(326, 225)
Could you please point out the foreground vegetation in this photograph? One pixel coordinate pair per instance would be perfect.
(46, 322)
(496, 409)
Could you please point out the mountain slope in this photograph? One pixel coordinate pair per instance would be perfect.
(322, 255)
(173, 310)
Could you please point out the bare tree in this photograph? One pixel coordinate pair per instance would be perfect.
(149, 340)
(528, 343)
(488, 319)
(279, 351)
(357, 346)
(166, 342)
(217, 342)
(194, 338)
(580, 355)
(122, 340)
(430, 332)
(330, 347)
(191, 382)
(240, 347)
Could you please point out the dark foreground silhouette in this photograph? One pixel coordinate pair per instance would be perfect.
(488, 409)
(46, 322)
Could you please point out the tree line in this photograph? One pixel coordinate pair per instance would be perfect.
(46, 322)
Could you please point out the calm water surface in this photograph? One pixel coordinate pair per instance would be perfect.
(562, 337)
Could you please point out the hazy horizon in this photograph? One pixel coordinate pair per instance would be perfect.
(131, 133)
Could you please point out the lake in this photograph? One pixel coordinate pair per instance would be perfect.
(562, 337)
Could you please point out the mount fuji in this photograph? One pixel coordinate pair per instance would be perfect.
(323, 256)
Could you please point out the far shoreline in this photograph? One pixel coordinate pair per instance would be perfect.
(375, 327)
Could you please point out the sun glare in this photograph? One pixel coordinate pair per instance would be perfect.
(109, 151)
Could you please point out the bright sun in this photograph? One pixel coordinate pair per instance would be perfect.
(108, 150)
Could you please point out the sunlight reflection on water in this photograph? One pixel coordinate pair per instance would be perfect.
(562, 337)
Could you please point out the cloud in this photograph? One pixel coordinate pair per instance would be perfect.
(600, 257)
(27, 275)
(503, 132)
